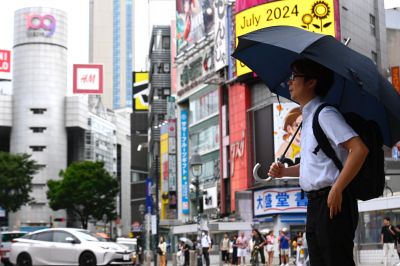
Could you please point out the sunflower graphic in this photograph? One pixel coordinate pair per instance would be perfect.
(307, 20)
(320, 10)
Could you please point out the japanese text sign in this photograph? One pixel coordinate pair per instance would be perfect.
(279, 200)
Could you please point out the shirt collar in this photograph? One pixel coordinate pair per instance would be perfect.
(310, 106)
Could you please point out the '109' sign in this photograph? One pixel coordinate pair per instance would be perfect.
(38, 25)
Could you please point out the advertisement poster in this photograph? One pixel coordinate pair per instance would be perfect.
(287, 118)
(194, 20)
(316, 16)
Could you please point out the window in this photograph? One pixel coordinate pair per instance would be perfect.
(166, 42)
(203, 107)
(38, 111)
(37, 148)
(372, 24)
(374, 57)
(61, 237)
(44, 236)
(38, 129)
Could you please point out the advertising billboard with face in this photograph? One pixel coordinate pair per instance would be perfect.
(194, 20)
(287, 118)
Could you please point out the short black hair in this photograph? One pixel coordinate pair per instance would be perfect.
(313, 70)
(387, 218)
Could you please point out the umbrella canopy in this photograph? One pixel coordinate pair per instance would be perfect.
(358, 85)
(186, 241)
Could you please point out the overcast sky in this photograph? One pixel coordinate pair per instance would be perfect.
(162, 12)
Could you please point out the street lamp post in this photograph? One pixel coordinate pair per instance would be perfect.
(142, 209)
(196, 167)
(105, 218)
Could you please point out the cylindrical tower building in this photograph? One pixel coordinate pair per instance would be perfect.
(39, 89)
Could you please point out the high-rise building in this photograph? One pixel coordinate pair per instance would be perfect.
(37, 118)
(111, 44)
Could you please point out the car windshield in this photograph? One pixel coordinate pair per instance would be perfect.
(88, 236)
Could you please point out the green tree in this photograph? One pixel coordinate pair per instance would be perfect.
(86, 189)
(16, 174)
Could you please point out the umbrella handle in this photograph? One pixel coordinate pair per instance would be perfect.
(257, 177)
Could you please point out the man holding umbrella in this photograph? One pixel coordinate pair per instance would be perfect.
(332, 213)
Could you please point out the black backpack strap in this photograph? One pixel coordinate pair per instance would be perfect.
(322, 139)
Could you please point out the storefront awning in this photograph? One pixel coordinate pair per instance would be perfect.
(229, 226)
(384, 203)
(187, 229)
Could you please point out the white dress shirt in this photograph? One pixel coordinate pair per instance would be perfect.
(205, 241)
(318, 171)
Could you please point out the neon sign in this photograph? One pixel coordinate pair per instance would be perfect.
(36, 22)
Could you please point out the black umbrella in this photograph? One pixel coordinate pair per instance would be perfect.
(358, 86)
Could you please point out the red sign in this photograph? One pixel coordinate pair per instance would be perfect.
(396, 78)
(88, 78)
(5, 61)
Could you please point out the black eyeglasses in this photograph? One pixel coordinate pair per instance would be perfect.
(294, 75)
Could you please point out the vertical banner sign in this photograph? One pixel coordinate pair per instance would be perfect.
(149, 200)
(220, 33)
(396, 78)
(164, 157)
(185, 161)
(172, 154)
(5, 61)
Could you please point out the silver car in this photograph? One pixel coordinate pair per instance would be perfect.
(67, 246)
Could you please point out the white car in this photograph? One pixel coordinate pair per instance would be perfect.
(6, 238)
(67, 246)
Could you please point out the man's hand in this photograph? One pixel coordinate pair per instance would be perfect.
(334, 201)
(276, 170)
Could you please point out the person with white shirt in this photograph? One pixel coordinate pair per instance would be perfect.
(243, 245)
(331, 206)
(206, 246)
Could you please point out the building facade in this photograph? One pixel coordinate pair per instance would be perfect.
(111, 44)
(39, 119)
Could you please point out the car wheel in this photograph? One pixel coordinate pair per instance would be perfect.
(24, 260)
(87, 259)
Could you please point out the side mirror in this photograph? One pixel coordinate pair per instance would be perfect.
(70, 240)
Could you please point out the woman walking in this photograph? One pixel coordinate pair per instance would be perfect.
(162, 251)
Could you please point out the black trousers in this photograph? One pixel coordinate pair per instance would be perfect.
(330, 241)
(225, 255)
(206, 256)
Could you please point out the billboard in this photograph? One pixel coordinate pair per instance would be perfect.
(316, 16)
(88, 79)
(195, 70)
(279, 200)
(194, 20)
(396, 78)
(5, 61)
(287, 118)
(140, 91)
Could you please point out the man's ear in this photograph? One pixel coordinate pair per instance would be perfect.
(312, 83)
